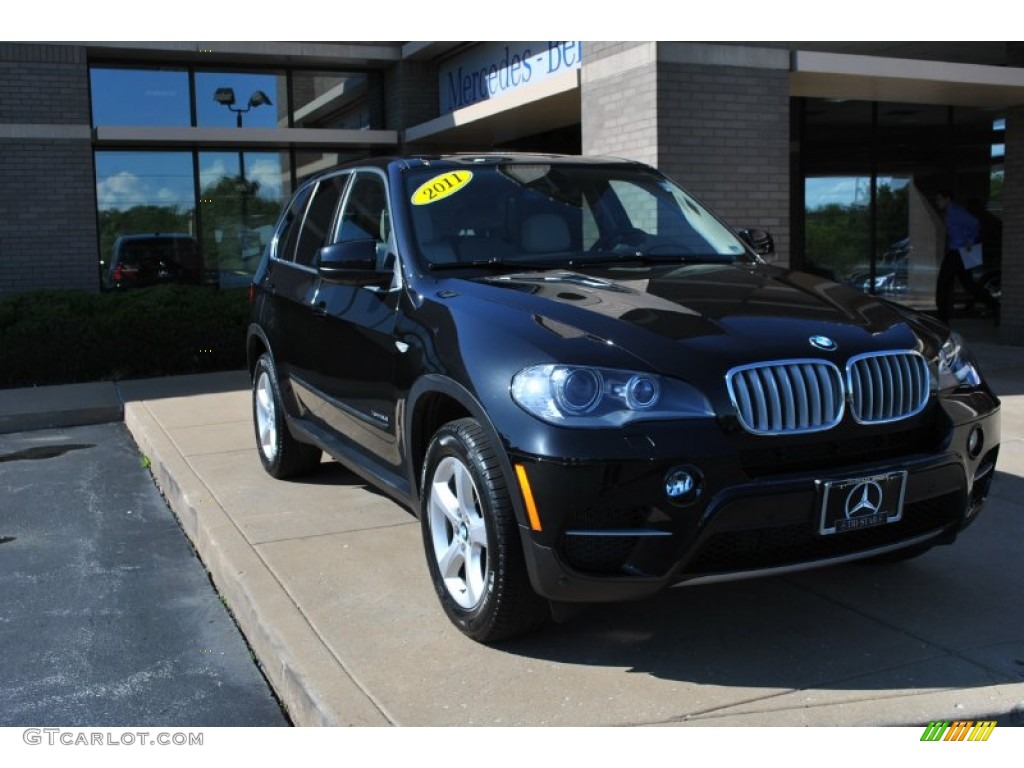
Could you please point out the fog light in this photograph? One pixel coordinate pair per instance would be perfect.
(975, 442)
(683, 485)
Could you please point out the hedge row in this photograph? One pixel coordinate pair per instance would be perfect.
(58, 337)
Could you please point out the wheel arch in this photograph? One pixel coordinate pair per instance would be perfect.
(256, 344)
(433, 402)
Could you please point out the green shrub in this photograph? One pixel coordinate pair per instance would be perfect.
(57, 337)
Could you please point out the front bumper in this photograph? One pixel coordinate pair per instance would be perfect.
(608, 530)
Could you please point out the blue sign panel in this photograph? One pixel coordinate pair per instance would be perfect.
(492, 69)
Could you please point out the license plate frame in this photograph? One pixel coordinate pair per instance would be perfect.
(857, 503)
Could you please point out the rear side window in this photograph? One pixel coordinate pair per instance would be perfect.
(288, 234)
(317, 224)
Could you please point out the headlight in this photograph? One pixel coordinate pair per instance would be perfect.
(957, 367)
(598, 397)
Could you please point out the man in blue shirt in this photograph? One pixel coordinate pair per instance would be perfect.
(962, 231)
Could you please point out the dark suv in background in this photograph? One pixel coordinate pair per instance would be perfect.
(589, 388)
(139, 261)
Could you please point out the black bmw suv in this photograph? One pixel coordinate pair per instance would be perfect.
(588, 388)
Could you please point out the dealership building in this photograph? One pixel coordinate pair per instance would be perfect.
(836, 149)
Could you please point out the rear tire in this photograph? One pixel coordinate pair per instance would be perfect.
(471, 537)
(281, 454)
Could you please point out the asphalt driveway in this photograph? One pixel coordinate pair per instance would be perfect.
(107, 616)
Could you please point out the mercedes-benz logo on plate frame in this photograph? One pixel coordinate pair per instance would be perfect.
(864, 499)
(823, 343)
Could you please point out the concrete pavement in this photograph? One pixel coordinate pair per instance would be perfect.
(329, 584)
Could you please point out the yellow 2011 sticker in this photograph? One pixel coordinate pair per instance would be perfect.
(440, 187)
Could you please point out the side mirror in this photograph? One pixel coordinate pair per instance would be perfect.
(760, 240)
(351, 263)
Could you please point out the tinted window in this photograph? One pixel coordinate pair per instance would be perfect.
(366, 212)
(289, 232)
(143, 193)
(318, 218)
(242, 194)
(330, 100)
(140, 97)
(241, 99)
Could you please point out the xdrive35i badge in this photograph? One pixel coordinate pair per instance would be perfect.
(823, 342)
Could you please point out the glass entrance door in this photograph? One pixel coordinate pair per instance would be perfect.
(870, 174)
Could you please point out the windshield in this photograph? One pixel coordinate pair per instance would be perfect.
(560, 215)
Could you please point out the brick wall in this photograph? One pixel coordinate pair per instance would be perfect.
(43, 84)
(47, 195)
(720, 130)
(1012, 321)
(723, 133)
(619, 101)
(410, 94)
(48, 230)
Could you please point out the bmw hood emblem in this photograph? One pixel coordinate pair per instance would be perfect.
(823, 342)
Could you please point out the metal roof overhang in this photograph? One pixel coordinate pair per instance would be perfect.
(241, 138)
(876, 78)
(544, 106)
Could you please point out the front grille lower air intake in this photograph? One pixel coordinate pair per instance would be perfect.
(887, 386)
(787, 396)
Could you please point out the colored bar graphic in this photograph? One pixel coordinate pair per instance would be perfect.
(960, 730)
(982, 730)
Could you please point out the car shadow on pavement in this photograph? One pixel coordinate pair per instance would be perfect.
(948, 619)
(333, 473)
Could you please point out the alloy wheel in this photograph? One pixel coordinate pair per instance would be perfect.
(458, 532)
(266, 416)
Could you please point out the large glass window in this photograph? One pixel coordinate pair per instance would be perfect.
(310, 162)
(241, 99)
(840, 238)
(147, 97)
(216, 207)
(241, 195)
(837, 223)
(870, 174)
(330, 100)
(144, 193)
(160, 96)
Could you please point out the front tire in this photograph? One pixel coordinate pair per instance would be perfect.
(281, 454)
(471, 538)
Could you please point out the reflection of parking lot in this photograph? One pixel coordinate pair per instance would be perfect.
(237, 253)
(233, 278)
(902, 277)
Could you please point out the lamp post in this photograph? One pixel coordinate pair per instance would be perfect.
(226, 96)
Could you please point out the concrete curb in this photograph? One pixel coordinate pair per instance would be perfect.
(66, 405)
(310, 681)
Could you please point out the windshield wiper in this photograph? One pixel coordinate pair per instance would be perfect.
(598, 259)
(496, 264)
